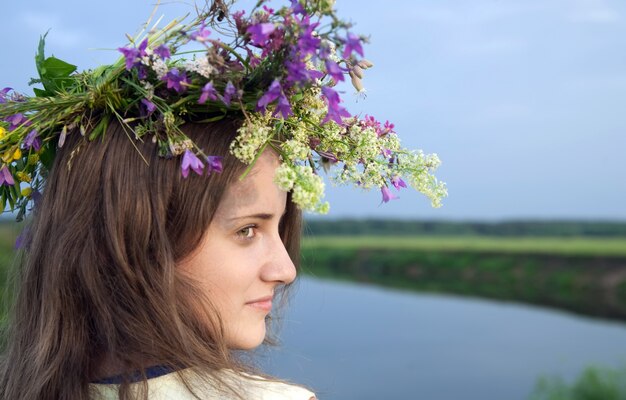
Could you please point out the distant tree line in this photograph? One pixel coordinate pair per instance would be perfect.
(389, 227)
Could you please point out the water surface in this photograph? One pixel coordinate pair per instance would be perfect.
(351, 341)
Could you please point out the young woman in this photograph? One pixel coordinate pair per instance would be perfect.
(167, 196)
(133, 272)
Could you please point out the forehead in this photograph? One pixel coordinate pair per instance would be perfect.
(257, 192)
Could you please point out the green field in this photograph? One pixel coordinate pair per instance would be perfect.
(566, 246)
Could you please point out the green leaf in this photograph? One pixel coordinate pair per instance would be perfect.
(56, 68)
(212, 119)
(40, 92)
(11, 201)
(47, 156)
(100, 129)
(3, 201)
(40, 57)
(53, 72)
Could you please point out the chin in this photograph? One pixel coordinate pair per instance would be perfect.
(248, 339)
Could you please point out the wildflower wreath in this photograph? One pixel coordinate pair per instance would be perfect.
(276, 69)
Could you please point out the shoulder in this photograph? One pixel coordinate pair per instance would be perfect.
(170, 387)
(262, 389)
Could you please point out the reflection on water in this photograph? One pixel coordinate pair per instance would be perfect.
(354, 341)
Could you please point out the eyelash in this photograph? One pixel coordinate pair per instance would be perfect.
(251, 228)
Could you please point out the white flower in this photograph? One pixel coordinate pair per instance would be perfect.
(252, 136)
(160, 68)
(200, 66)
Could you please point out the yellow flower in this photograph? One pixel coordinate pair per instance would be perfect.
(17, 154)
(23, 176)
(7, 156)
(27, 191)
(3, 132)
(33, 159)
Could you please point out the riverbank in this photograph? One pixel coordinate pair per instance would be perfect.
(582, 275)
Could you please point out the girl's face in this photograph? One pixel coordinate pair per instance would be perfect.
(242, 259)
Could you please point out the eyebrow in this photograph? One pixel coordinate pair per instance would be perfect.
(263, 216)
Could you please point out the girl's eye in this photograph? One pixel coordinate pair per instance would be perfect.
(247, 232)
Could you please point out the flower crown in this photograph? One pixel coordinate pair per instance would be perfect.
(274, 69)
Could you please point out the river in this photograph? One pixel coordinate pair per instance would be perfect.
(352, 341)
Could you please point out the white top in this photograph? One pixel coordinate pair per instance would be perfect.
(170, 387)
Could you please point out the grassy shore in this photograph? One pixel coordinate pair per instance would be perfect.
(563, 246)
(583, 275)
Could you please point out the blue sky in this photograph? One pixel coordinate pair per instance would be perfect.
(523, 100)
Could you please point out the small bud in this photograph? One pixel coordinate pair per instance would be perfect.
(356, 82)
(26, 192)
(358, 71)
(365, 64)
(62, 136)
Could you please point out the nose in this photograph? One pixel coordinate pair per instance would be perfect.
(279, 267)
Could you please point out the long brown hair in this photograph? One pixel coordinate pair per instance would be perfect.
(98, 277)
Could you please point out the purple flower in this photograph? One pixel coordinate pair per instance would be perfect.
(5, 177)
(3, 94)
(134, 54)
(274, 91)
(163, 51)
(259, 33)
(324, 52)
(353, 43)
(16, 120)
(32, 140)
(331, 95)
(230, 92)
(298, 73)
(240, 22)
(176, 80)
(334, 70)
(215, 164)
(335, 111)
(190, 160)
(297, 8)
(208, 92)
(150, 106)
(389, 127)
(201, 35)
(397, 182)
(142, 72)
(308, 43)
(387, 195)
(283, 107)
(130, 54)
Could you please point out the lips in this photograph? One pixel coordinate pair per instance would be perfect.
(263, 303)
